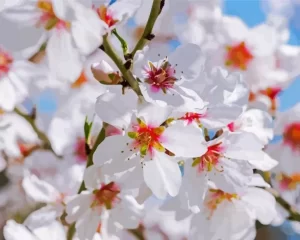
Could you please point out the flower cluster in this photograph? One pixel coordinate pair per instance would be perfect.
(108, 133)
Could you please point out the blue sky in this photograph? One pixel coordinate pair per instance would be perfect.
(251, 12)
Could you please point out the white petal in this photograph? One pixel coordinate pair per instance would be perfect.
(8, 95)
(162, 175)
(263, 162)
(87, 29)
(43, 217)
(258, 181)
(154, 115)
(235, 177)
(263, 203)
(124, 9)
(110, 109)
(221, 115)
(187, 60)
(111, 150)
(77, 206)
(55, 230)
(39, 190)
(64, 60)
(129, 214)
(61, 8)
(184, 141)
(15, 231)
(87, 225)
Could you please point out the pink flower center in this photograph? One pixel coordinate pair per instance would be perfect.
(79, 151)
(191, 117)
(161, 77)
(291, 136)
(48, 19)
(107, 195)
(5, 63)
(146, 137)
(106, 16)
(216, 197)
(238, 56)
(231, 127)
(210, 159)
(271, 93)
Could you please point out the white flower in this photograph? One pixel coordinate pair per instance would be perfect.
(286, 151)
(16, 135)
(64, 22)
(254, 121)
(108, 202)
(225, 97)
(163, 78)
(15, 76)
(241, 212)
(117, 13)
(228, 163)
(144, 145)
(14, 231)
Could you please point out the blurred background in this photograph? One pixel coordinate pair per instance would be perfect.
(252, 12)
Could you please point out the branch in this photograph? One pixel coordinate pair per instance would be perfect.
(147, 36)
(46, 144)
(118, 61)
(122, 41)
(294, 214)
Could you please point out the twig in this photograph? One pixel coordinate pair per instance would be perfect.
(122, 41)
(46, 144)
(99, 140)
(127, 74)
(147, 36)
(294, 214)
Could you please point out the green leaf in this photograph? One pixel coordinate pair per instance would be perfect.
(87, 128)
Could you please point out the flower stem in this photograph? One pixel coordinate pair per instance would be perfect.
(100, 138)
(294, 214)
(46, 144)
(147, 36)
(122, 41)
(127, 74)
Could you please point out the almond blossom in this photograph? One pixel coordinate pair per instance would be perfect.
(144, 145)
(107, 201)
(241, 211)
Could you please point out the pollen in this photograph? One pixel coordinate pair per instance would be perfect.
(210, 159)
(107, 195)
(216, 197)
(146, 137)
(48, 19)
(192, 117)
(161, 77)
(106, 16)
(238, 56)
(82, 79)
(291, 136)
(5, 63)
(289, 182)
